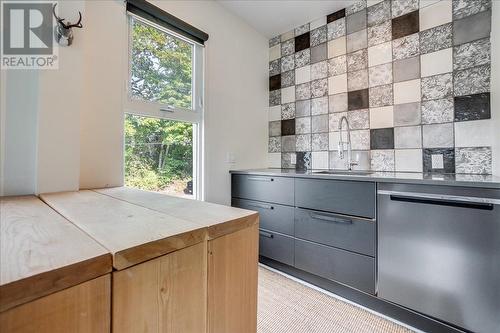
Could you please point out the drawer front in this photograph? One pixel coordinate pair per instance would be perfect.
(355, 270)
(272, 217)
(276, 246)
(337, 196)
(341, 231)
(263, 188)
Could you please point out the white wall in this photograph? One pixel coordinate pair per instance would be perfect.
(495, 84)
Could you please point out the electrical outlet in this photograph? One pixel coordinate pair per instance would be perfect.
(437, 161)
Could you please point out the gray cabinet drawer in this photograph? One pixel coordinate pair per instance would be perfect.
(272, 216)
(355, 270)
(263, 188)
(338, 196)
(341, 231)
(276, 246)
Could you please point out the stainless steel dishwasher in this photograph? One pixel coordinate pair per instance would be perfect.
(439, 252)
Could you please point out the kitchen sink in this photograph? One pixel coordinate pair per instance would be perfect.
(344, 172)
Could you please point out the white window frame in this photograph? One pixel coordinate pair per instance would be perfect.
(164, 111)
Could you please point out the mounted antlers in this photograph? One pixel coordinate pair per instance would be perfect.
(63, 32)
(68, 25)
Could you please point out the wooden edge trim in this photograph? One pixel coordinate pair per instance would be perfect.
(28, 289)
(147, 251)
(231, 226)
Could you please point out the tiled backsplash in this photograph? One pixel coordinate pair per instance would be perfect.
(412, 77)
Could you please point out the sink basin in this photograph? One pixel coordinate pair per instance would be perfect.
(344, 172)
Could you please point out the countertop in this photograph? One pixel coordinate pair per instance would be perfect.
(464, 180)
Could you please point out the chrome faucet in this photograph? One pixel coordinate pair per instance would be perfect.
(343, 146)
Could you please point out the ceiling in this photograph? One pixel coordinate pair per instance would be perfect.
(274, 17)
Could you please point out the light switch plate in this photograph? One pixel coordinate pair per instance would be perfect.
(437, 161)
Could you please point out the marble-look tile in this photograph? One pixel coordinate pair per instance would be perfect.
(275, 128)
(437, 111)
(359, 119)
(287, 63)
(337, 65)
(302, 58)
(319, 88)
(473, 160)
(406, 69)
(435, 39)
(472, 54)
(472, 80)
(287, 35)
(320, 160)
(303, 142)
(337, 103)
(303, 74)
(319, 35)
(463, 32)
(357, 41)
(319, 124)
(304, 161)
(317, 23)
(288, 111)
(357, 80)
(319, 70)
(288, 127)
(337, 47)
(370, 3)
(339, 14)
(381, 96)
(379, 13)
(319, 53)
(337, 84)
(405, 25)
(464, 8)
(274, 82)
(438, 135)
(288, 144)
(478, 133)
(302, 41)
(360, 140)
(401, 7)
(356, 7)
(380, 75)
(472, 107)
(435, 15)
(356, 22)
(275, 52)
(302, 29)
(286, 160)
(358, 100)
(274, 145)
(438, 155)
(274, 41)
(303, 125)
(382, 160)
(319, 142)
(303, 108)
(408, 137)
(438, 62)
(288, 95)
(380, 54)
(319, 105)
(382, 138)
(287, 79)
(409, 160)
(437, 87)
(288, 47)
(303, 91)
(274, 160)
(275, 113)
(382, 117)
(274, 67)
(334, 120)
(407, 114)
(336, 29)
(380, 33)
(357, 60)
(405, 47)
(274, 97)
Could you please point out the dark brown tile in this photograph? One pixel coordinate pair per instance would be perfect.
(335, 16)
(382, 138)
(472, 107)
(448, 155)
(405, 25)
(302, 42)
(288, 127)
(358, 99)
(275, 82)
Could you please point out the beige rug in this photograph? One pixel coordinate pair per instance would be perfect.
(286, 306)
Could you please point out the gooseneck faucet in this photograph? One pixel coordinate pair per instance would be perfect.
(343, 146)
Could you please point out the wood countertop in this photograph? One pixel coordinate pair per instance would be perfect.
(41, 252)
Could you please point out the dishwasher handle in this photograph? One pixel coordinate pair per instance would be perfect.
(443, 202)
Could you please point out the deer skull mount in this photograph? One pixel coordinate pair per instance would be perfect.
(63, 32)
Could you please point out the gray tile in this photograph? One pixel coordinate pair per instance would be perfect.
(356, 7)
(408, 137)
(463, 8)
(288, 111)
(356, 22)
(382, 160)
(274, 145)
(287, 79)
(303, 142)
(334, 119)
(357, 41)
(319, 35)
(319, 124)
(438, 135)
(401, 7)
(379, 13)
(302, 29)
(472, 81)
(275, 97)
(304, 161)
(336, 29)
(337, 65)
(337, 103)
(359, 119)
(362, 158)
(287, 63)
(407, 114)
(303, 91)
(437, 38)
(380, 75)
(357, 60)
(302, 58)
(437, 87)
(303, 125)
(357, 80)
(437, 111)
(382, 138)
(473, 160)
(406, 47)
(275, 128)
(472, 28)
(473, 107)
(319, 70)
(288, 47)
(380, 33)
(286, 160)
(319, 88)
(319, 105)
(319, 142)
(288, 143)
(319, 53)
(303, 108)
(472, 54)
(448, 156)
(274, 41)
(406, 69)
(275, 67)
(381, 96)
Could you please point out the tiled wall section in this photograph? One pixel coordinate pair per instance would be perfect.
(412, 77)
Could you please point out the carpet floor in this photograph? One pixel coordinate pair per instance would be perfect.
(286, 306)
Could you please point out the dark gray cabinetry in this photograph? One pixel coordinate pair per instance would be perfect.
(276, 246)
(263, 188)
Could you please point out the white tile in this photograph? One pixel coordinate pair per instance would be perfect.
(435, 14)
(382, 117)
(370, 3)
(409, 160)
(275, 113)
(320, 160)
(303, 74)
(287, 35)
(438, 136)
(317, 23)
(425, 3)
(333, 139)
(407, 92)
(380, 54)
(288, 95)
(274, 160)
(275, 52)
(337, 47)
(434, 63)
(477, 133)
(408, 137)
(337, 84)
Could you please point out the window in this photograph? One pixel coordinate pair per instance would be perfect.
(163, 111)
